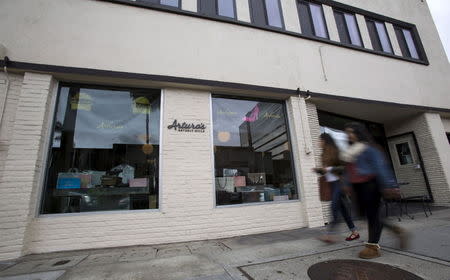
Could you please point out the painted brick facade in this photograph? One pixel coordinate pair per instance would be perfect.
(23, 161)
(187, 194)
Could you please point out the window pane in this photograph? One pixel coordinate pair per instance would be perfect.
(383, 36)
(318, 20)
(410, 42)
(342, 28)
(173, 3)
(305, 20)
(353, 30)
(253, 161)
(273, 13)
(226, 8)
(402, 42)
(404, 153)
(105, 151)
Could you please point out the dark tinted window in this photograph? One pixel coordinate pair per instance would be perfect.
(379, 36)
(348, 28)
(252, 152)
(312, 19)
(407, 43)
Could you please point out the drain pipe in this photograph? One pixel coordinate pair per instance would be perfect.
(5, 99)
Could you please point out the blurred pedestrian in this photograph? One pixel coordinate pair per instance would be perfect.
(368, 172)
(332, 169)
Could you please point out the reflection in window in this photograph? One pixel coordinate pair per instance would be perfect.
(273, 11)
(226, 8)
(406, 42)
(404, 153)
(173, 3)
(105, 151)
(312, 19)
(252, 153)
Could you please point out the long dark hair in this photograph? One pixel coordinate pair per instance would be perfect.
(361, 133)
(330, 153)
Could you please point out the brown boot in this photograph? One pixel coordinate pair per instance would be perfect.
(370, 252)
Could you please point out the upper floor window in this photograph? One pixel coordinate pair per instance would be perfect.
(379, 36)
(407, 43)
(226, 8)
(172, 3)
(312, 19)
(267, 13)
(348, 28)
(223, 8)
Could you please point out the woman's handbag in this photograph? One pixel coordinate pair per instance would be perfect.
(324, 189)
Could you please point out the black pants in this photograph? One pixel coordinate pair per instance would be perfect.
(368, 199)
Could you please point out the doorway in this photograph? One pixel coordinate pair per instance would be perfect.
(408, 166)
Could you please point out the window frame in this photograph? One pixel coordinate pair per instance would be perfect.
(374, 21)
(256, 16)
(43, 182)
(408, 54)
(343, 12)
(311, 20)
(288, 134)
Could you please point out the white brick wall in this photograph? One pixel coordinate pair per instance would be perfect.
(315, 135)
(433, 146)
(22, 163)
(187, 210)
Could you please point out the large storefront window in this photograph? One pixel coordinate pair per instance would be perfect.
(252, 152)
(105, 150)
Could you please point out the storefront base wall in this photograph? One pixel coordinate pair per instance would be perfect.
(433, 145)
(187, 210)
(26, 123)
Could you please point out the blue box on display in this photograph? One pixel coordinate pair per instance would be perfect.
(68, 183)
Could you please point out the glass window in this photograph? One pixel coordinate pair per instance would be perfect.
(226, 8)
(353, 29)
(252, 152)
(347, 28)
(320, 28)
(406, 42)
(173, 3)
(384, 38)
(378, 36)
(404, 153)
(273, 11)
(312, 19)
(105, 151)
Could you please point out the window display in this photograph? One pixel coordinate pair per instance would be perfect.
(105, 150)
(252, 152)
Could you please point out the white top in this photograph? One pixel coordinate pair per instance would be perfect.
(330, 177)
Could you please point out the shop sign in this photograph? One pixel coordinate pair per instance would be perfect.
(187, 127)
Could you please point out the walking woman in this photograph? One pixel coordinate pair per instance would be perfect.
(332, 170)
(369, 175)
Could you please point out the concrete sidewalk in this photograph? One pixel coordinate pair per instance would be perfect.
(280, 255)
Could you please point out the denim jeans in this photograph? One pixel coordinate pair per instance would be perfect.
(337, 205)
